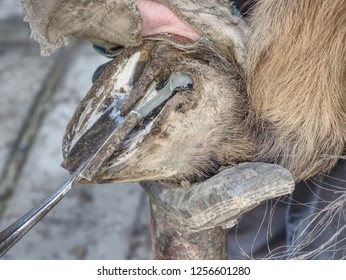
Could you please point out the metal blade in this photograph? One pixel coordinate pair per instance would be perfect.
(19, 228)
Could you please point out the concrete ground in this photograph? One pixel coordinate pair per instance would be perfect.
(38, 97)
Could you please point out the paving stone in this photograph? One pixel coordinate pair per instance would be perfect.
(22, 72)
(9, 8)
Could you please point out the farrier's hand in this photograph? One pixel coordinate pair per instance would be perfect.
(219, 22)
(224, 198)
(158, 18)
(133, 20)
(149, 18)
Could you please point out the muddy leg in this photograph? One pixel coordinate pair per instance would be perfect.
(171, 241)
